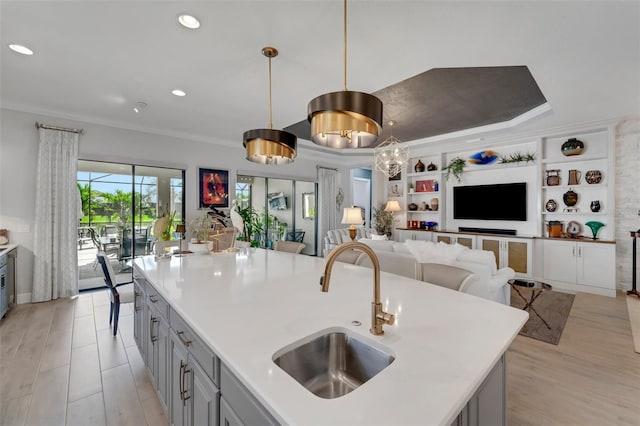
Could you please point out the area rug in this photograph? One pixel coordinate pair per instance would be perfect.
(553, 306)
(633, 305)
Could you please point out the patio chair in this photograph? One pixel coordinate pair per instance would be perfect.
(123, 294)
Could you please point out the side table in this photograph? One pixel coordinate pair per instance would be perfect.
(537, 288)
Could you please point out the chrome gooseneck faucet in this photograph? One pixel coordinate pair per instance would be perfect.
(378, 316)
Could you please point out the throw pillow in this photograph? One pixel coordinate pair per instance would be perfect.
(377, 237)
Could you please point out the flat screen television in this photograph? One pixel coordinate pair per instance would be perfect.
(277, 201)
(503, 201)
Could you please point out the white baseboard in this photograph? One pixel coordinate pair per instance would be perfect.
(23, 298)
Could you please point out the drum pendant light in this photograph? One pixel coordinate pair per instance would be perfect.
(270, 146)
(345, 119)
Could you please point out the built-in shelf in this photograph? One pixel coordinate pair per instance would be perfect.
(423, 211)
(573, 158)
(423, 192)
(601, 213)
(578, 186)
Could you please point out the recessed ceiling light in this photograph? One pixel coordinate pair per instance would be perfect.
(179, 92)
(139, 106)
(189, 21)
(24, 50)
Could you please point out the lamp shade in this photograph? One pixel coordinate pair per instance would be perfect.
(180, 228)
(345, 119)
(270, 146)
(392, 206)
(352, 216)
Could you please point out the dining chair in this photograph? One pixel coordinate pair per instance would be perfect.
(289, 246)
(123, 294)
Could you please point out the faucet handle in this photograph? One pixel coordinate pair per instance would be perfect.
(387, 318)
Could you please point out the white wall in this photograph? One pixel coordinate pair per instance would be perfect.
(18, 159)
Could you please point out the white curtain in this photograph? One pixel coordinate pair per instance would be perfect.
(55, 264)
(326, 204)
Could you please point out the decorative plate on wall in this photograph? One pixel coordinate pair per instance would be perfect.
(483, 157)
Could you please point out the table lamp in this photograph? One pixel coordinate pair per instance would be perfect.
(352, 216)
(181, 229)
(392, 206)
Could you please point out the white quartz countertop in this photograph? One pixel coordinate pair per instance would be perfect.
(7, 248)
(248, 305)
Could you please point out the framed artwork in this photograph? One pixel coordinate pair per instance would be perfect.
(213, 188)
(395, 189)
(426, 185)
(396, 177)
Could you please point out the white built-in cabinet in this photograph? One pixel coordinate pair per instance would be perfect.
(466, 240)
(515, 253)
(424, 189)
(580, 266)
(570, 263)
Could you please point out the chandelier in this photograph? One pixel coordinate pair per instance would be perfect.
(345, 119)
(391, 156)
(270, 146)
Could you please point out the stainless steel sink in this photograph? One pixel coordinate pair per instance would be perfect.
(332, 364)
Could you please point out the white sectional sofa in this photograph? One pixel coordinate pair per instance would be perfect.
(409, 258)
(335, 237)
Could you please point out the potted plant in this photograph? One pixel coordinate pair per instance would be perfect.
(456, 168)
(383, 221)
(252, 223)
(199, 228)
(411, 187)
(163, 227)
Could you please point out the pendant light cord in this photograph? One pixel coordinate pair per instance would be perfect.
(345, 45)
(270, 113)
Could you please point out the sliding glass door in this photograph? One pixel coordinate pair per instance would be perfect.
(120, 203)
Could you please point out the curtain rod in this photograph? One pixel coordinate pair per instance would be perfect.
(327, 168)
(62, 129)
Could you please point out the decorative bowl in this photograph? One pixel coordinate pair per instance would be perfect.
(483, 157)
(593, 176)
(430, 225)
(572, 147)
(551, 206)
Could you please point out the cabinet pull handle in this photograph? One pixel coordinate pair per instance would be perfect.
(153, 338)
(184, 395)
(579, 251)
(181, 381)
(153, 299)
(135, 301)
(573, 250)
(183, 339)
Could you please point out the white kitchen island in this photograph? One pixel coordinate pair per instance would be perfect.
(246, 306)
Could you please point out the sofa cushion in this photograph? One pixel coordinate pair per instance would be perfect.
(479, 256)
(401, 248)
(377, 237)
(377, 245)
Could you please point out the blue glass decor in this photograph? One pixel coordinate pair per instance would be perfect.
(483, 157)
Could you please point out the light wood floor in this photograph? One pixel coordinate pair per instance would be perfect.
(592, 377)
(60, 365)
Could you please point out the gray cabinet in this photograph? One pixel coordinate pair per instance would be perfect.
(227, 416)
(194, 396)
(157, 352)
(488, 406)
(242, 407)
(139, 315)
